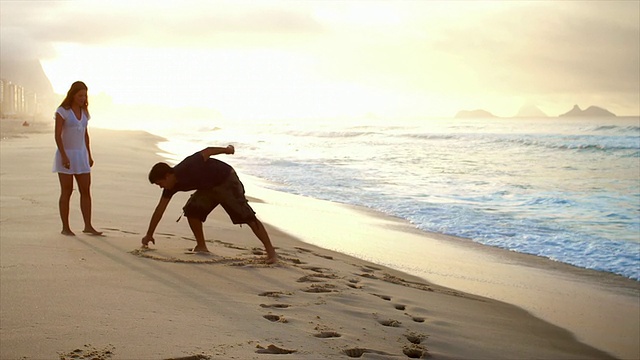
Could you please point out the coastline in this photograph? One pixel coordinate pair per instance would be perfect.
(567, 296)
(349, 297)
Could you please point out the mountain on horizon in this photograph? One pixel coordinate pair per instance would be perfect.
(530, 111)
(469, 114)
(28, 74)
(591, 111)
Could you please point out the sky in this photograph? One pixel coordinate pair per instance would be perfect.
(317, 59)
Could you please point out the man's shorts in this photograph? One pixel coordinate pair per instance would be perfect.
(229, 194)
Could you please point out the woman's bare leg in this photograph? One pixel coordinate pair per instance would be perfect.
(84, 186)
(66, 189)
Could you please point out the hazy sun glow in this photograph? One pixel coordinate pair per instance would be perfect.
(315, 59)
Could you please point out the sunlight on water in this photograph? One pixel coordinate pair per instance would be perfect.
(566, 189)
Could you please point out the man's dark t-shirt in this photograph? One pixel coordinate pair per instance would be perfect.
(194, 173)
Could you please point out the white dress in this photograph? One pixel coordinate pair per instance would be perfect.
(73, 131)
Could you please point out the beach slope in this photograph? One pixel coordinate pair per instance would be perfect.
(103, 297)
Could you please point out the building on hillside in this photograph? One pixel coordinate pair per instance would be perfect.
(16, 101)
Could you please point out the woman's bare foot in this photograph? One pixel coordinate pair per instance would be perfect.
(92, 231)
(67, 232)
(200, 249)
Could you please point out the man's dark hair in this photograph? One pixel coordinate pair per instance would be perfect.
(159, 171)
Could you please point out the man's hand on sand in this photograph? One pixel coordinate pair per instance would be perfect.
(146, 240)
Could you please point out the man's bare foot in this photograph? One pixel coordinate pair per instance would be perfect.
(92, 231)
(67, 232)
(272, 259)
(200, 249)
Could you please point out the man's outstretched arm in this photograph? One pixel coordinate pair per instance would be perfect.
(155, 219)
(210, 151)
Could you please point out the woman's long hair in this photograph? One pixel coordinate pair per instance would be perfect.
(75, 87)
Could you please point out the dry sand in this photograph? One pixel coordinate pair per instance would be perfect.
(89, 297)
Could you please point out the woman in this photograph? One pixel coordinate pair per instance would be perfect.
(73, 157)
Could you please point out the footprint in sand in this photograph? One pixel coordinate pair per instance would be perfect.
(309, 278)
(193, 357)
(316, 269)
(314, 253)
(355, 352)
(415, 351)
(353, 283)
(276, 306)
(317, 277)
(327, 335)
(417, 319)
(273, 294)
(368, 268)
(368, 276)
(320, 288)
(275, 318)
(89, 352)
(390, 323)
(383, 297)
(366, 271)
(415, 338)
(358, 352)
(272, 349)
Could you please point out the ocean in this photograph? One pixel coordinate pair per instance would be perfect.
(567, 189)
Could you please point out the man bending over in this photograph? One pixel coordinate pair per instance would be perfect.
(215, 183)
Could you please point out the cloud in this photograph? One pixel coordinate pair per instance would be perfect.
(165, 23)
(20, 45)
(457, 49)
(577, 47)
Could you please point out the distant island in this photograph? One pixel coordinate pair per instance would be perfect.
(530, 111)
(591, 111)
(466, 114)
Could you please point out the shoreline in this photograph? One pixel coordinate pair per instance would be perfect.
(564, 295)
(120, 222)
(530, 276)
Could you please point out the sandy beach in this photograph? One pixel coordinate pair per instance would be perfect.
(90, 297)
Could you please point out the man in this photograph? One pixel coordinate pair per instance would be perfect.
(216, 183)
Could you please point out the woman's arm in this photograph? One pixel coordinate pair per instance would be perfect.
(59, 143)
(86, 141)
